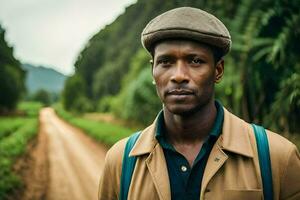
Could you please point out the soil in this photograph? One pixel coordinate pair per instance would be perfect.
(63, 164)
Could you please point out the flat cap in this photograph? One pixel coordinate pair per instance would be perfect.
(187, 23)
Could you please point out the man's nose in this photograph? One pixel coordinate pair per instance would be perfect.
(180, 73)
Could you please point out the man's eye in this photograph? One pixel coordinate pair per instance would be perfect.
(164, 62)
(197, 61)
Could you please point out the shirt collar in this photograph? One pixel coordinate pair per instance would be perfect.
(214, 133)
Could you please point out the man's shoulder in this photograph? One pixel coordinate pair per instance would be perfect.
(280, 146)
(115, 153)
(278, 139)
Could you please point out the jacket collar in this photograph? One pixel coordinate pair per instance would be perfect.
(234, 137)
(146, 141)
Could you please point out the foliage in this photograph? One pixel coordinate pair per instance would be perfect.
(266, 54)
(15, 133)
(105, 132)
(261, 72)
(18, 133)
(138, 94)
(140, 102)
(106, 104)
(14, 144)
(9, 125)
(11, 87)
(286, 103)
(30, 108)
(12, 77)
(42, 96)
(74, 97)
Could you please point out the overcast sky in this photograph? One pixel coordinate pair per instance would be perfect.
(53, 32)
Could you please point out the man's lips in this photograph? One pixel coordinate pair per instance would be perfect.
(180, 92)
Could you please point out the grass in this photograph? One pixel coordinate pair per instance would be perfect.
(30, 108)
(15, 133)
(9, 125)
(104, 132)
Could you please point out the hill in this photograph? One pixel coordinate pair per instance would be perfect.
(261, 82)
(43, 78)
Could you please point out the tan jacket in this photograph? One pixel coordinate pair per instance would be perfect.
(232, 171)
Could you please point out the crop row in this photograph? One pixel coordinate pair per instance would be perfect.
(11, 147)
(15, 134)
(9, 125)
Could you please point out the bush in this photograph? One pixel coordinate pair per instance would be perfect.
(105, 104)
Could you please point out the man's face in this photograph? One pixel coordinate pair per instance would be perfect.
(185, 73)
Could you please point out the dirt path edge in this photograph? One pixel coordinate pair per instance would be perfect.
(33, 168)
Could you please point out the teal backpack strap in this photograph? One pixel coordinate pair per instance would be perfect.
(127, 166)
(264, 161)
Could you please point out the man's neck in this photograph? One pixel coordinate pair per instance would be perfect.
(190, 129)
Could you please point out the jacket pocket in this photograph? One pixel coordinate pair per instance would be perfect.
(243, 194)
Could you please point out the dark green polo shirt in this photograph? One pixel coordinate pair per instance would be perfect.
(185, 181)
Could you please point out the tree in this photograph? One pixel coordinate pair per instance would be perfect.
(74, 95)
(42, 96)
(11, 87)
(12, 77)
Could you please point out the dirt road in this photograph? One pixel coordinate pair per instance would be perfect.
(75, 160)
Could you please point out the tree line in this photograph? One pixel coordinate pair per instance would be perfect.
(12, 77)
(262, 72)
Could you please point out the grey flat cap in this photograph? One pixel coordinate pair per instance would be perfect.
(187, 23)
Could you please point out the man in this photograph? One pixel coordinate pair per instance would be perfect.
(196, 149)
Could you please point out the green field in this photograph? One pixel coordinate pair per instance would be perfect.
(30, 109)
(104, 132)
(15, 133)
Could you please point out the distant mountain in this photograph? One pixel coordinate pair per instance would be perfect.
(43, 78)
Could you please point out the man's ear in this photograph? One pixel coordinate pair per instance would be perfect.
(151, 62)
(219, 70)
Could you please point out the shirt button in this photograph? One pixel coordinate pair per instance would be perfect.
(183, 168)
